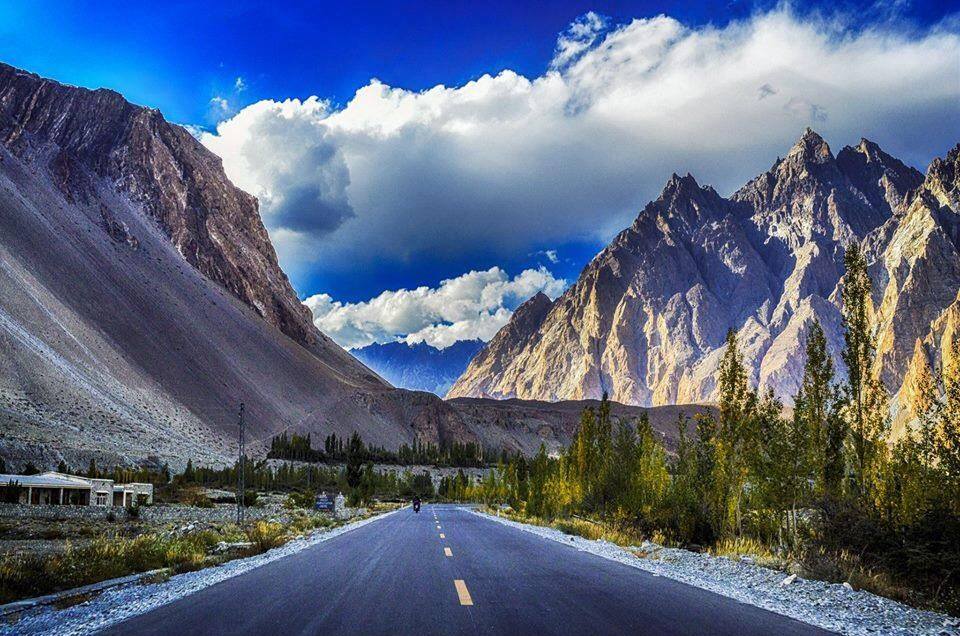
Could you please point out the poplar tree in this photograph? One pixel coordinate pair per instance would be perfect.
(817, 404)
(867, 409)
(733, 437)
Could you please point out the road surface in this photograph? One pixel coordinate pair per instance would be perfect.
(448, 571)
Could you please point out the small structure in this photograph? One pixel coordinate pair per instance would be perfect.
(324, 503)
(59, 489)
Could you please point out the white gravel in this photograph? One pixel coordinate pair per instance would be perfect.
(835, 607)
(120, 603)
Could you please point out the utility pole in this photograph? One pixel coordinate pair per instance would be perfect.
(241, 485)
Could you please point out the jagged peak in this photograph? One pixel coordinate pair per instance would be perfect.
(537, 300)
(680, 187)
(811, 148)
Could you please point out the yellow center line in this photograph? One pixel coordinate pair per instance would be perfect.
(443, 536)
(448, 552)
(463, 592)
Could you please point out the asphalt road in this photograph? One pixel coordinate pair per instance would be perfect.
(404, 575)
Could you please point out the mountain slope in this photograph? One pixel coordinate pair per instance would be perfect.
(419, 366)
(141, 300)
(646, 320)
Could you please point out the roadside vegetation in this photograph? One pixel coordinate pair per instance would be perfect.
(825, 491)
(114, 554)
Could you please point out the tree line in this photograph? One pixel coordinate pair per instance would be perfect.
(827, 485)
(300, 448)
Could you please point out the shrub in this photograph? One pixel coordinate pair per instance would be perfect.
(300, 500)
(195, 497)
(266, 535)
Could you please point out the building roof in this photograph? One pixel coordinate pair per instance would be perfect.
(46, 480)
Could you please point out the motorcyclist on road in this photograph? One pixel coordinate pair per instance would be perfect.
(416, 503)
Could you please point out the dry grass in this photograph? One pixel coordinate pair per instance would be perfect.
(581, 527)
(23, 576)
(266, 535)
(737, 547)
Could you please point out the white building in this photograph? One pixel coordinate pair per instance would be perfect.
(52, 488)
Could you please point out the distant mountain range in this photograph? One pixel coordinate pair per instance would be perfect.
(419, 366)
(646, 320)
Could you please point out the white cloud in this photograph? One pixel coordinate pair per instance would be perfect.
(550, 255)
(220, 103)
(239, 85)
(473, 305)
(507, 163)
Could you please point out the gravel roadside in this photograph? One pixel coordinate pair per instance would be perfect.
(120, 603)
(832, 606)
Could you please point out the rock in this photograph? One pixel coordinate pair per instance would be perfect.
(787, 581)
(846, 585)
(747, 560)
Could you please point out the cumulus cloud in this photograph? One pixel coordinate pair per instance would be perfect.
(239, 84)
(506, 164)
(473, 305)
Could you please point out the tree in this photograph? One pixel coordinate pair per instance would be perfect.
(92, 471)
(539, 474)
(189, 475)
(734, 439)
(817, 405)
(948, 418)
(355, 456)
(866, 407)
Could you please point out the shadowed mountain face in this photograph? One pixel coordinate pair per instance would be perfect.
(647, 318)
(419, 367)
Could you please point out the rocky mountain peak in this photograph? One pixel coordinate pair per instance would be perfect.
(810, 149)
(943, 179)
(884, 180)
(533, 309)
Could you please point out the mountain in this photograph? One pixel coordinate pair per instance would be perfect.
(419, 366)
(647, 317)
(141, 300)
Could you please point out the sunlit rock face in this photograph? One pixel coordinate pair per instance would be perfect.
(647, 318)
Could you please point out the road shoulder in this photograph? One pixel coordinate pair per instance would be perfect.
(829, 606)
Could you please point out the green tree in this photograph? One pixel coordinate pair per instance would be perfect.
(866, 399)
(355, 456)
(734, 439)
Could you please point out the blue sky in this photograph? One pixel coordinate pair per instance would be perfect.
(357, 212)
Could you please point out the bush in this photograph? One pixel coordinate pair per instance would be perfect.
(298, 499)
(195, 497)
(266, 535)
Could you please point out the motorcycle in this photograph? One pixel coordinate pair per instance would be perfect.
(416, 506)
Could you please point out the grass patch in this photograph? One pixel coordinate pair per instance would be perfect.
(579, 526)
(106, 557)
(737, 547)
(266, 535)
